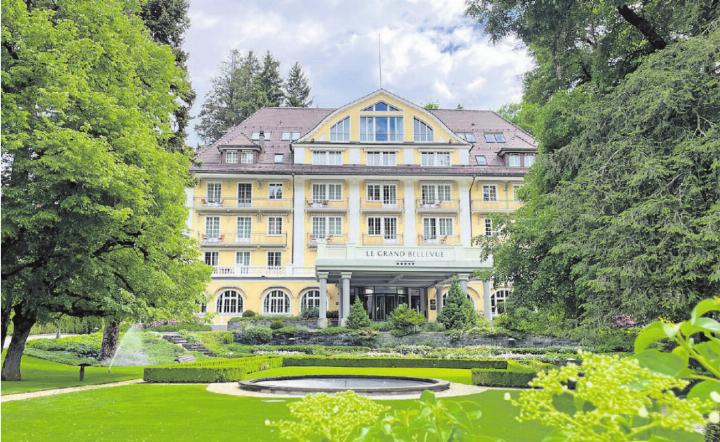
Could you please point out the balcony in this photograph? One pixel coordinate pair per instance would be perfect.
(498, 206)
(240, 271)
(254, 240)
(425, 205)
(241, 205)
(442, 240)
(381, 206)
(382, 240)
(313, 240)
(316, 205)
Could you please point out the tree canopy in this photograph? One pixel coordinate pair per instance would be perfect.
(622, 208)
(93, 201)
(297, 89)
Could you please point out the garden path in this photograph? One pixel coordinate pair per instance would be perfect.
(43, 393)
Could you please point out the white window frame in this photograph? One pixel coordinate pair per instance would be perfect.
(436, 159)
(275, 225)
(247, 157)
(490, 192)
(242, 265)
(327, 194)
(278, 158)
(479, 162)
(494, 137)
(213, 197)
(495, 300)
(214, 258)
(285, 136)
(340, 131)
(382, 158)
(529, 159)
(270, 259)
(310, 299)
(327, 226)
(514, 160)
(422, 132)
(443, 227)
(386, 193)
(489, 227)
(275, 195)
(229, 302)
(276, 302)
(435, 193)
(231, 156)
(295, 136)
(327, 158)
(212, 232)
(368, 129)
(387, 226)
(245, 202)
(240, 233)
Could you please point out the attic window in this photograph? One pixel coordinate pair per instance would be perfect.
(255, 136)
(381, 106)
(285, 136)
(267, 136)
(481, 160)
(494, 137)
(467, 136)
(295, 135)
(231, 156)
(279, 158)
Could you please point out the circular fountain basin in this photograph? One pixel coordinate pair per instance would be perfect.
(335, 383)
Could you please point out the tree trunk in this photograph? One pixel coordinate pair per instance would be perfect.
(111, 336)
(7, 305)
(22, 324)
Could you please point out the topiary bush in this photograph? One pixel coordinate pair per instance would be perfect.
(458, 313)
(248, 314)
(217, 370)
(358, 317)
(515, 375)
(405, 320)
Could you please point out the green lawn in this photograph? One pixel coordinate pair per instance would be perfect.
(40, 374)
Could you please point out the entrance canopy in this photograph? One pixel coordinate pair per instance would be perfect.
(397, 265)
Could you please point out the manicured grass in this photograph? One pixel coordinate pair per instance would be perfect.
(39, 374)
(450, 374)
(189, 412)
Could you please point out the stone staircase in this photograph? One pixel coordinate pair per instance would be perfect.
(177, 339)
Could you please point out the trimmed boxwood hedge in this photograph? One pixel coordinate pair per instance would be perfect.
(305, 361)
(514, 375)
(220, 370)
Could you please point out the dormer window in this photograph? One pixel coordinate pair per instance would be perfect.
(285, 136)
(529, 159)
(514, 160)
(494, 137)
(381, 106)
(481, 160)
(267, 136)
(279, 158)
(231, 156)
(423, 132)
(247, 157)
(340, 131)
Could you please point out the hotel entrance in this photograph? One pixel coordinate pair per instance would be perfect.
(380, 301)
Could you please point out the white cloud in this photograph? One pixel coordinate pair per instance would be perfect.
(430, 50)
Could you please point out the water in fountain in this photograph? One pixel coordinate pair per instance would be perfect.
(130, 351)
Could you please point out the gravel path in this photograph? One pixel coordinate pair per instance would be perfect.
(455, 389)
(43, 393)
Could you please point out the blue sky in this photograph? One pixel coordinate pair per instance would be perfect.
(430, 50)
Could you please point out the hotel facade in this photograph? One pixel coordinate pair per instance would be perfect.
(380, 199)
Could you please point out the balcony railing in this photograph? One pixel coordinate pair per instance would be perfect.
(449, 240)
(436, 205)
(248, 271)
(225, 204)
(378, 240)
(495, 206)
(254, 239)
(313, 240)
(325, 205)
(381, 206)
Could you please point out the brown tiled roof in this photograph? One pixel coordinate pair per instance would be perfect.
(276, 120)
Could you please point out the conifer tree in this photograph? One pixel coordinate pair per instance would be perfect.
(458, 313)
(269, 83)
(297, 89)
(358, 317)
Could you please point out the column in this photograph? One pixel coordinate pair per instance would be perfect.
(409, 214)
(423, 301)
(487, 306)
(345, 303)
(298, 234)
(354, 211)
(465, 217)
(438, 298)
(190, 205)
(463, 280)
(322, 317)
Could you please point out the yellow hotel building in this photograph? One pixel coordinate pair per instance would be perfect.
(380, 199)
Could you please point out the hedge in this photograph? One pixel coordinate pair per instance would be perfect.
(514, 375)
(221, 370)
(304, 361)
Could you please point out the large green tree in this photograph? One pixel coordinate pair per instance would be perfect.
(297, 88)
(622, 212)
(269, 82)
(93, 201)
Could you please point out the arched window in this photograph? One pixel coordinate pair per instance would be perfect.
(340, 131)
(497, 301)
(381, 106)
(229, 302)
(422, 131)
(311, 299)
(276, 303)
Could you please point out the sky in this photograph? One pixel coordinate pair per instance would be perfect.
(430, 51)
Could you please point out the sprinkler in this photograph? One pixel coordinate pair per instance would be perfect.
(82, 371)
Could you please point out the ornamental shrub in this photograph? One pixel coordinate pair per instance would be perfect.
(358, 317)
(215, 370)
(458, 313)
(516, 375)
(310, 313)
(405, 320)
(256, 335)
(277, 324)
(248, 314)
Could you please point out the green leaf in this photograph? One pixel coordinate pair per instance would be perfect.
(671, 364)
(708, 324)
(703, 307)
(649, 335)
(703, 389)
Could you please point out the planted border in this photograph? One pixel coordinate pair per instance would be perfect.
(515, 375)
(222, 370)
(305, 361)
